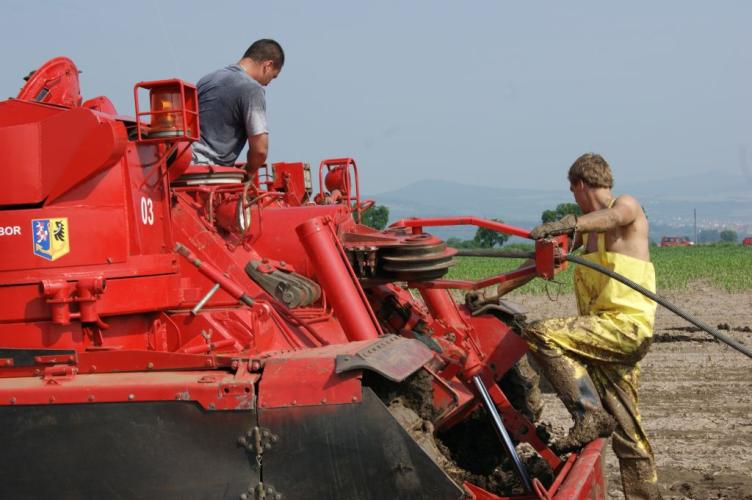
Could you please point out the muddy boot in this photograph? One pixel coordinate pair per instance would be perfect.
(573, 385)
(639, 479)
(521, 386)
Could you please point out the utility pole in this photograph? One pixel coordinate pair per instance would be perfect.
(695, 211)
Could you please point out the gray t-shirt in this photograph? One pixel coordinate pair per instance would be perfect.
(232, 107)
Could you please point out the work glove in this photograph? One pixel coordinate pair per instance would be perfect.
(565, 225)
(478, 298)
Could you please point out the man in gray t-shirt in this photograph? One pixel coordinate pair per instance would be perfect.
(232, 108)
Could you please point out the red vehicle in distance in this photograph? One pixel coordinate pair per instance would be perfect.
(747, 242)
(676, 241)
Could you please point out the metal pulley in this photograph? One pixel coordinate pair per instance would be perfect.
(199, 175)
(419, 257)
(396, 254)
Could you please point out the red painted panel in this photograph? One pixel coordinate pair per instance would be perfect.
(146, 203)
(121, 296)
(275, 237)
(96, 235)
(44, 159)
(585, 479)
(501, 345)
(211, 389)
(70, 158)
(22, 148)
(14, 112)
(306, 382)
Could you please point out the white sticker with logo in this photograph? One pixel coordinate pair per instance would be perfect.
(10, 230)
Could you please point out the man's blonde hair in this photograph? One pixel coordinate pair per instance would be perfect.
(593, 170)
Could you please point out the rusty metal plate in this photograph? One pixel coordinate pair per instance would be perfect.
(392, 356)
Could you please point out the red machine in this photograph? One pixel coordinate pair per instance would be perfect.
(175, 331)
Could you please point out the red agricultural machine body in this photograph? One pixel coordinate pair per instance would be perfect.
(168, 330)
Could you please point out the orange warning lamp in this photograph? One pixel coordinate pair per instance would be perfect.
(172, 114)
(165, 121)
(338, 178)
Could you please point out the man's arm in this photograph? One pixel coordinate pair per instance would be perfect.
(254, 106)
(622, 213)
(258, 148)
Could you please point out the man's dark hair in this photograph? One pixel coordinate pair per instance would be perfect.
(266, 50)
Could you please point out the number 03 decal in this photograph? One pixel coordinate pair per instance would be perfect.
(147, 211)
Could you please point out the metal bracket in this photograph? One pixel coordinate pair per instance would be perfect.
(257, 440)
(30, 357)
(426, 339)
(57, 373)
(504, 307)
(262, 492)
(393, 357)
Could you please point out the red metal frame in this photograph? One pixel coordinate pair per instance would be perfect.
(211, 390)
(342, 166)
(418, 223)
(55, 82)
(115, 318)
(339, 281)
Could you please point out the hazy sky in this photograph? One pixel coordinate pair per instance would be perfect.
(493, 93)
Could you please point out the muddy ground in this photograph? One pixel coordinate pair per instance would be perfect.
(695, 396)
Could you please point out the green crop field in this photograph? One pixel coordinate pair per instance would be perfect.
(676, 268)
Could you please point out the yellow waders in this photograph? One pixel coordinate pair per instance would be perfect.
(611, 335)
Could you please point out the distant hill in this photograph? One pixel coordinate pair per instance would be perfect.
(720, 199)
(434, 198)
(709, 186)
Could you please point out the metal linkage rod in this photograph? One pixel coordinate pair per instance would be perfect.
(214, 274)
(494, 252)
(501, 431)
(201, 303)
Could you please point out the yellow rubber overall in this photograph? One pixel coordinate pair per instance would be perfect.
(611, 335)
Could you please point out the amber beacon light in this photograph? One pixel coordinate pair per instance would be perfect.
(172, 113)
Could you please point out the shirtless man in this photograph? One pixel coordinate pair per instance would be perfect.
(591, 360)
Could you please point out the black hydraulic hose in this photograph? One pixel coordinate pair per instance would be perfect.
(501, 431)
(490, 252)
(631, 284)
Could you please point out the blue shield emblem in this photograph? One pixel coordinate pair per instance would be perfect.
(50, 237)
